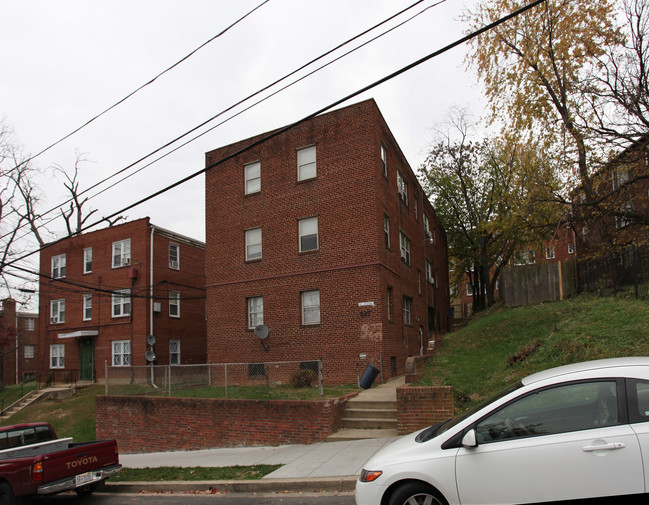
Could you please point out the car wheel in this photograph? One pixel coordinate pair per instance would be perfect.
(416, 493)
(6, 495)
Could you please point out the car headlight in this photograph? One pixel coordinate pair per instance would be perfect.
(370, 475)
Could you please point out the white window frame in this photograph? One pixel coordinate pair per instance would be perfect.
(174, 303)
(29, 323)
(407, 310)
(255, 311)
(384, 160)
(121, 303)
(174, 352)
(252, 176)
(57, 311)
(404, 246)
(550, 253)
(254, 249)
(306, 163)
(87, 260)
(310, 309)
(305, 231)
(121, 253)
(174, 256)
(120, 351)
(87, 307)
(386, 230)
(57, 356)
(402, 187)
(29, 351)
(58, 266)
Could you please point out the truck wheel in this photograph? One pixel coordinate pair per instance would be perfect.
(6, 495)
(83, 491)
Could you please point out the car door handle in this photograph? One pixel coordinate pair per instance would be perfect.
(604, 447)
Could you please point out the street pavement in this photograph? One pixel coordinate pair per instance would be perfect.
(323, 466)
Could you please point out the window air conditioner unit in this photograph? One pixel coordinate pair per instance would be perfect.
(157, 307)
(126, 261)
(429, 235)
(173, 264)
(54, 320)
(404, 255)
(431, 281)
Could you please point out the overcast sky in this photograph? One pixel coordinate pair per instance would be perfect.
(65, 61)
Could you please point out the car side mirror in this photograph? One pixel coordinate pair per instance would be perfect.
(469, 439)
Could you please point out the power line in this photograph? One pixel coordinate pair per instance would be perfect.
(240, 102)
(148, 83)
(289, 127)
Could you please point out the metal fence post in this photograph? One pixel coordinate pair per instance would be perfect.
(226, 380)
(320, 377)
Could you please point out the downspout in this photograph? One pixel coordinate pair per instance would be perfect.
(17, 352)
(151, 297)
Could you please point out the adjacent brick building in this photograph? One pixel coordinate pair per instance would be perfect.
(19, 332)
(324, 235)
(103, 293)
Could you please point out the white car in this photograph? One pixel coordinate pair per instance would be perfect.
(573, 432)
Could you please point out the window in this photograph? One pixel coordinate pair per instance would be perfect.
(253, 244)
(122, 253)
(121, 353)
(306, 166)
(405, 248)
(429, 235)
(174, 256)
(415, 204)
(402, 187)
(311, 307)
(561, 409)
(407, 307)
(121, 303)
(621, 177)
(174, 352)
(58, 266)
(549, 253)
(174, 303)
(256, 370)
(386, 230)
(57, 356)
(253, 177)
(308, 229)
(429, 273)
(29, 352)
(87, 307)
(638, 394)
(571, 249)
(29, 323)
(57, 311)
(622, 220)
(255, 311)
(384, 160)
(418, 281)
(87, 260)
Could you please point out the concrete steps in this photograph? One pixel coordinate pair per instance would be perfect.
(17, 406)
(372, 414)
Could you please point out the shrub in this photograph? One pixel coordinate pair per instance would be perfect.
(303, 378)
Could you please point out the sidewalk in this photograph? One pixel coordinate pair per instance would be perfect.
(327, 466)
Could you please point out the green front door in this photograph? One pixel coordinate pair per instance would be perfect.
(87, 359)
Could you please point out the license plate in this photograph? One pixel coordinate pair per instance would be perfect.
(83, 478)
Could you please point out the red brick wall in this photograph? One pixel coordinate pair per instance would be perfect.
(420, 407)
(350, 196)
(147, 424)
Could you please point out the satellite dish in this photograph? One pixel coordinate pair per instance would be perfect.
(150, 356)
(150, 340)
(261, 331)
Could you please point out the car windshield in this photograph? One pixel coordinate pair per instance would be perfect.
(438, 429)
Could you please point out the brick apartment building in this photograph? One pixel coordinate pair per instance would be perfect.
(19, 343)
(104, 292)
(324, 235)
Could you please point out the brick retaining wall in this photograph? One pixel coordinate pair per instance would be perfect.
(148, 424)
(420, 407)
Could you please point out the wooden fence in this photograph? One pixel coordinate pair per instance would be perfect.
(532, 284)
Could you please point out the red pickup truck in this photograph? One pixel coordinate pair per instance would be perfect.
(33, 461)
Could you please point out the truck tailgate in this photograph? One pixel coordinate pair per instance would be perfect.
(77, 461)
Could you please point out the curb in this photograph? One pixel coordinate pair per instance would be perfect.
(316, 485)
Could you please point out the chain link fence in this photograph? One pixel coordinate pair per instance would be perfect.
(225, 380)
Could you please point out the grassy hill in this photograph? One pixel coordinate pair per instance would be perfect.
(502, 345)
(498, 347)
